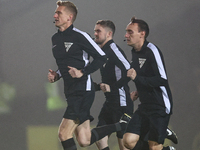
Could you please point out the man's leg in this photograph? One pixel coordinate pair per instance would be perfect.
(83, 134)
(86, 137)
(119, 136)
(102, 131)
(144, 145)
(121, 144)
(103, 143)
(157, 133)
(141, 144)
(155, 146)
(130, 140)
(66, 130)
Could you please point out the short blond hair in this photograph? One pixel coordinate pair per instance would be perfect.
(69, 6)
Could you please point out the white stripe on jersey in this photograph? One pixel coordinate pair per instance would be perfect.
(122, 92)
(118, 73)
(120, 56)
(163, 75)
(88, 84)
(98, 49)
(158, 60)
(166, 99)
(85, 58)
(122, 97)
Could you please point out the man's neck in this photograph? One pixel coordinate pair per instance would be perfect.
(108, 39)
(138, 46)
(63, 28)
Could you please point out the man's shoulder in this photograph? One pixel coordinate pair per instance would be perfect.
(114, 46)
(81, 34)
(116, 49)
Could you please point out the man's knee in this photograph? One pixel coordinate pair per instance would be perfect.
(155, 146)
(66, 129)
(83, 142)
(158, 147)
(63, 135)
(130, 140)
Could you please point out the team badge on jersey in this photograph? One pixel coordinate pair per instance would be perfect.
(141, 62)
(67, 45)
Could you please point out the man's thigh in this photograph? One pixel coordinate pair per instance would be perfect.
(138, 124)
(158, 127)
(67, 128)
(83, 133)
(79, 105)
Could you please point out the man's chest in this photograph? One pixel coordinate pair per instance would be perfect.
(141, 64)
(64, 48)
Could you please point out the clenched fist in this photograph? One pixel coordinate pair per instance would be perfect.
(75, 73)
(105, 87)
(131, 73)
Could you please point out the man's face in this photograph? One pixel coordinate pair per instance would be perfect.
(61, 17)
(133, 36)
(100, 34)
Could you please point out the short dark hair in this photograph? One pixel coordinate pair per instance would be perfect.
(107, 23)
(70, 6)
(143, 26)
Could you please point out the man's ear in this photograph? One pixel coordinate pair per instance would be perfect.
(142, 34)
(110, 33)
(70, 17)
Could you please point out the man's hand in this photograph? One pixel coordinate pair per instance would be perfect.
(105, 87)
(52, 76)
(75, 73)
(131, 73)
(134, 95)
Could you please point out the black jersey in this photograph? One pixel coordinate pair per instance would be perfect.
(151, 80)
(73, 47)
(114, 73)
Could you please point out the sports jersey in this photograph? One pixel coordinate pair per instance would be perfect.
(73, 47)
(151, 80)
(114, 74)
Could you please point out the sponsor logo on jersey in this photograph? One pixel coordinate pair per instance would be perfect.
(67, 45)
(104, 65)
(141, 62)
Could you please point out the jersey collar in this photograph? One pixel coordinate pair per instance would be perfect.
(68, 30)
(107, 44)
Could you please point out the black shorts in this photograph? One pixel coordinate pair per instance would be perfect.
(152, 126)
(79, 104)
(111, 114)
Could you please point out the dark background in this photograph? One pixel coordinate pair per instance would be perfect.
(26, 27)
